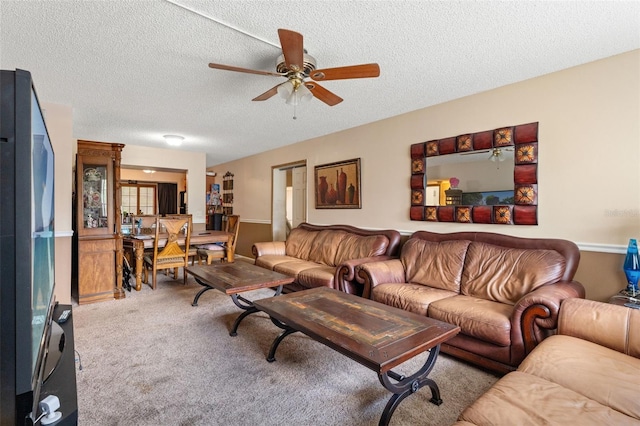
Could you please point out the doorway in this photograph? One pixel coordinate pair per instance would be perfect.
(289, 198)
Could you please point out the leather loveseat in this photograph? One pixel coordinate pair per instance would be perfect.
(503, 292)
(587, 374)
(326, 255)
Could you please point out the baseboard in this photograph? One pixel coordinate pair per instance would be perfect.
(244, 258)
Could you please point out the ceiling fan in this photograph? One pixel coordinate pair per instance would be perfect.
(298, 67)
(495, 154)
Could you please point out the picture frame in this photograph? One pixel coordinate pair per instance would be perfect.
(337, 185)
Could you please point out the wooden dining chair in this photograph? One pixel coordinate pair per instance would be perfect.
(143, 224)
(169, 252)
(226, 251)
(193, 250)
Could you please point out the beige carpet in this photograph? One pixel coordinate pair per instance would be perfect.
(153, 359)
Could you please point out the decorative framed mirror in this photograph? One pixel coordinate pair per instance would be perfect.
(486, 177)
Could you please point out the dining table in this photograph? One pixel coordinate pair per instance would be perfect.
(135, 245)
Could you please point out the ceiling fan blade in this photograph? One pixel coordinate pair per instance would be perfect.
(340, 73)
(475, 152)
(292, 49)
(266, 95)
(245, 70)
(323, 94)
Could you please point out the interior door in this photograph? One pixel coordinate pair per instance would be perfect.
(299, 194)
(278, 205)
(289, 192)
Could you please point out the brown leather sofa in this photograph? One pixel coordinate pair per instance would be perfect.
(587, 374)
(503, 292)
(326, 255)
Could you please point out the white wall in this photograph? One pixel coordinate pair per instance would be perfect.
(589, 153)
(59, 120)
(193, 162)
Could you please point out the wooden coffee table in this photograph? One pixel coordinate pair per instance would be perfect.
(235, 278)
(377, 336)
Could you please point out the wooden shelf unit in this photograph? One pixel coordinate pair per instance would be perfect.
(97, 226)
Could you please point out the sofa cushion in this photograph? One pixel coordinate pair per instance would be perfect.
(269, 261)
(506, 274)
(437, 265)
(599, 373)
(325, 246)
(483, 319)
(410, 297)
(294, 267)
(358, 246)
(319, 276)
(300, 243)
(526, 400)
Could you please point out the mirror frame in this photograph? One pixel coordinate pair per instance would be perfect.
(524, 211)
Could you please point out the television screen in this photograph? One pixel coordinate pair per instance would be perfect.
(42, 232)
(27, 245)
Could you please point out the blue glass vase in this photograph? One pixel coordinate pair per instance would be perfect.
(632, 267)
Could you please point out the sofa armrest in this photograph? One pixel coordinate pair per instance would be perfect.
(345, 277)
(374, 273)
(538, 311)
(613, 326)
(270, 247)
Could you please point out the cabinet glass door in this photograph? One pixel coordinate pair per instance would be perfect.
(95, 196)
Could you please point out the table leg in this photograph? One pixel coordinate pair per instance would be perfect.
(206, 286)
(138, 251)
(408, 385)
(248, 307)
(274, 346)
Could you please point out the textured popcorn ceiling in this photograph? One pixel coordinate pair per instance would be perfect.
(136, 70)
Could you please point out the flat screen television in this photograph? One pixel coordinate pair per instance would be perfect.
(26, 250)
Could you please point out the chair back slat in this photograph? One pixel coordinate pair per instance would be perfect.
(168, 250)
(233, 226)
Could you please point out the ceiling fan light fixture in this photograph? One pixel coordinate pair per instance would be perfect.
(304, 94)
(285, 89)
(496, 155)
(294, 92)
(173, 140)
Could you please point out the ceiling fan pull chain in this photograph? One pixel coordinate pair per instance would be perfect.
(294, 111)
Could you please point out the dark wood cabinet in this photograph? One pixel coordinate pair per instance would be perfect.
(99, 237)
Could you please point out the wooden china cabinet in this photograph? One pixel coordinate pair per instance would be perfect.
(97, 223)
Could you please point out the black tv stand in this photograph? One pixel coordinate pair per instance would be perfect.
(62, 381)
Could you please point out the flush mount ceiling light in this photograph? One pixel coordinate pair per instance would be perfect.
(173, 140)
(149, 171)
